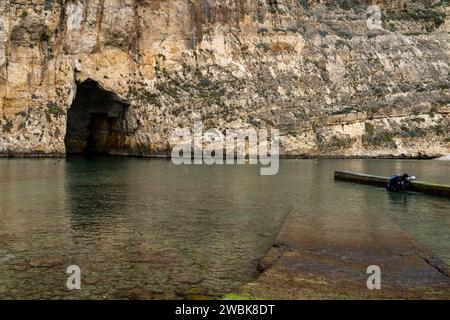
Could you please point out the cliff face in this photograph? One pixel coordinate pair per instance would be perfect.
(118, 76)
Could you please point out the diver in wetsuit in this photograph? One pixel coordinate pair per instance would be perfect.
(397, 183)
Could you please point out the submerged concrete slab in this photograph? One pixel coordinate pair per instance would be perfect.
(308, 261)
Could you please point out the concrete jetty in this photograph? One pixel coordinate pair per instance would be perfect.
(379, 181)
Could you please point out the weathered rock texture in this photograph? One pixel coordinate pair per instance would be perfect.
(144, 67)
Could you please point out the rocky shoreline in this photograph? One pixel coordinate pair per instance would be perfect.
(293, 157)
(444, 158)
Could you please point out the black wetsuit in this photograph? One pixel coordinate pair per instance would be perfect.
(396, 184)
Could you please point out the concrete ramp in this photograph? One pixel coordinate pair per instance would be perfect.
(331, 261)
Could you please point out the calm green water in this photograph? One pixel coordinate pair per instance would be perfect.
(145, 228)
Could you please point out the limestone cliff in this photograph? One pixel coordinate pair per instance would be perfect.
(118, 76)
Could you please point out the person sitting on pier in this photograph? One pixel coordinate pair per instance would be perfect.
(397, 183)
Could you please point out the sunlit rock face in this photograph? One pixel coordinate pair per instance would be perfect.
(312, 69)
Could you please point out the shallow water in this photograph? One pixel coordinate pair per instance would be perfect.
(145, 228)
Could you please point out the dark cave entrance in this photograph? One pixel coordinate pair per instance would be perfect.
(96, 122)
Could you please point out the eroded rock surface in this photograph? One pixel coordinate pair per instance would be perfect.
(312, 69)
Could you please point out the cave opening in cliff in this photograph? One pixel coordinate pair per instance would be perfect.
(96, 121)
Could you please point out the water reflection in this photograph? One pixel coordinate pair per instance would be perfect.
(398, 200)
(141, 228)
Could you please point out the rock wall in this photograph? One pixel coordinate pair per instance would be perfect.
(312, 69)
